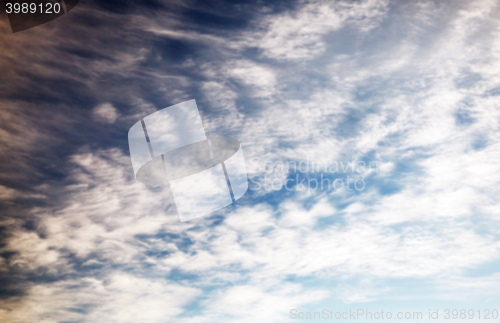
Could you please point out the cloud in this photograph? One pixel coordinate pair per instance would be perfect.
(105, 113)
(249, 303)
(121, 297)
(7, 193)
(298, 34)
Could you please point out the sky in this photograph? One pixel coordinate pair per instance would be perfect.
(394, 102)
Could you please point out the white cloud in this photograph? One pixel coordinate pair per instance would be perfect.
(248, 303)
(105, 113)
(120, 298)
(299, 34)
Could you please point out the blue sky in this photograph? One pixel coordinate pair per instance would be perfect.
(411, 86)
